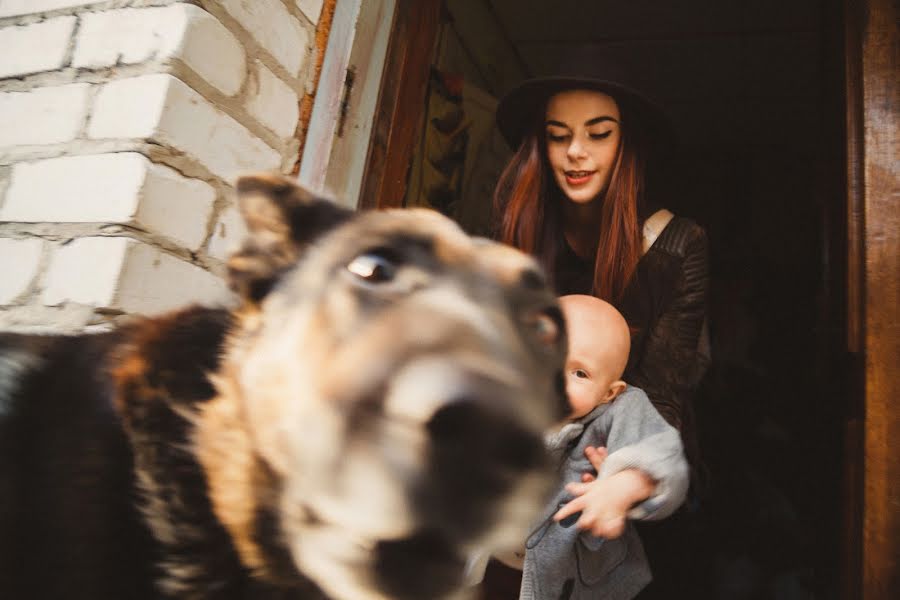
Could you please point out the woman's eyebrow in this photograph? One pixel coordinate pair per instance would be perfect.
(587, 123)
(596, 120)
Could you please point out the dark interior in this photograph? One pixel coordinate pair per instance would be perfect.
(756, 93)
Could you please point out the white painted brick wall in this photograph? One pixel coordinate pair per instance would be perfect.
(11, 8)
(19, 263)
(123, 274)
(48, 115)
(273, 102)
(311, 8)
(167, 47)
(228, 232)
(161, 108)
(110, 188)
(274, 28)
(183, 31)
(36, 47)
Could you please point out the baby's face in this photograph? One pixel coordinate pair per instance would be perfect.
(588, 378)
(599, 342)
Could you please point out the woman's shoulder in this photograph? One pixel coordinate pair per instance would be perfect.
(682, 236)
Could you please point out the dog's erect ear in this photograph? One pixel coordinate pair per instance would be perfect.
(282, 219)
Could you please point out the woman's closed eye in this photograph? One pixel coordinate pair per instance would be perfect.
(557, 137)
(562, 137)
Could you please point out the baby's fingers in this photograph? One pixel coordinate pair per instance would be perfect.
(596, 456)
(587, 522)
(577, 489)
(609, 529)
(569, 509)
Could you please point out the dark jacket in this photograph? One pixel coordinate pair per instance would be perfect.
(665, 306)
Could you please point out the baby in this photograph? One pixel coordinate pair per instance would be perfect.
(641, 472)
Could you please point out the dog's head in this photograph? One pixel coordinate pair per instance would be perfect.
(388, 383)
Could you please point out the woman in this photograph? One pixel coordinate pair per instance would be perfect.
(580, 193)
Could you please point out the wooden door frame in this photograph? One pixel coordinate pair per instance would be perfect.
(873, 288)
(352, 67)
(401, 103)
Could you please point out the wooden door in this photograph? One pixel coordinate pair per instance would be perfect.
(873, 251)
(871, 495)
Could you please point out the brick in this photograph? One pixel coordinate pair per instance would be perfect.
(36, 318)
(4, 182)
(273, 103)
(94, 188)
(182, 31)
(35, 48)
(111, 188)
(127, 275)
(228, 232)
(85, 271)
(11, 8)
(153, 281)
(175, 206)
(19, 263)
(48, 115)
(162, 109)
(273, 28)
(130, 108)
(311, 8)
(212, 51)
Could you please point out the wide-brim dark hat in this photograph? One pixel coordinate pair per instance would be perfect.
(585, 68)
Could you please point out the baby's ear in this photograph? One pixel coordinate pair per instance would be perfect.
(615, 388)
(282, 220)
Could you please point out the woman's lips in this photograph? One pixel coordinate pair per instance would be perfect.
(578, 177)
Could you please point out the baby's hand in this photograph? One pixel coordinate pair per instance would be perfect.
(604, 503)
(596, 456)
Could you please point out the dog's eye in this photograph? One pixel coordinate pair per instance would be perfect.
(374, 266)
(546, 326)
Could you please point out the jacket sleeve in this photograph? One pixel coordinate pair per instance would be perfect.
(639, 438)
(671, 365)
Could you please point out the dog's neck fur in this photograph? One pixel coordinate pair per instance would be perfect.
(168, 403)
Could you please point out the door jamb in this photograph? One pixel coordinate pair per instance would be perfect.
(401, 104)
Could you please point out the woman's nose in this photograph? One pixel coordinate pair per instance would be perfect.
(575, 150)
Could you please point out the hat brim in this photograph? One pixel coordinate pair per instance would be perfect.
(517, 110)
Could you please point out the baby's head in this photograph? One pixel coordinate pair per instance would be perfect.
(599, 341)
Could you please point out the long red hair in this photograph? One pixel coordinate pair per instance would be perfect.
(528, 203)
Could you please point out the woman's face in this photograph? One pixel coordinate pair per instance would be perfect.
(582, 133)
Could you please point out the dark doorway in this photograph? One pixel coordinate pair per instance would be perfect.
(756, 92)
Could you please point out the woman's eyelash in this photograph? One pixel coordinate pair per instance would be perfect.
(552, 137)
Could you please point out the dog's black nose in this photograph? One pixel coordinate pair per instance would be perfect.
(478, 452)
(475, 431)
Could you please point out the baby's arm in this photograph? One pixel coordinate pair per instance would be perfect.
(645, 466)
(604, 503)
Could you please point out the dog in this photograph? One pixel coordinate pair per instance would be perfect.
(367, 417)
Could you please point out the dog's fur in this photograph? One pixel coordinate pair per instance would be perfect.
(368, 417)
